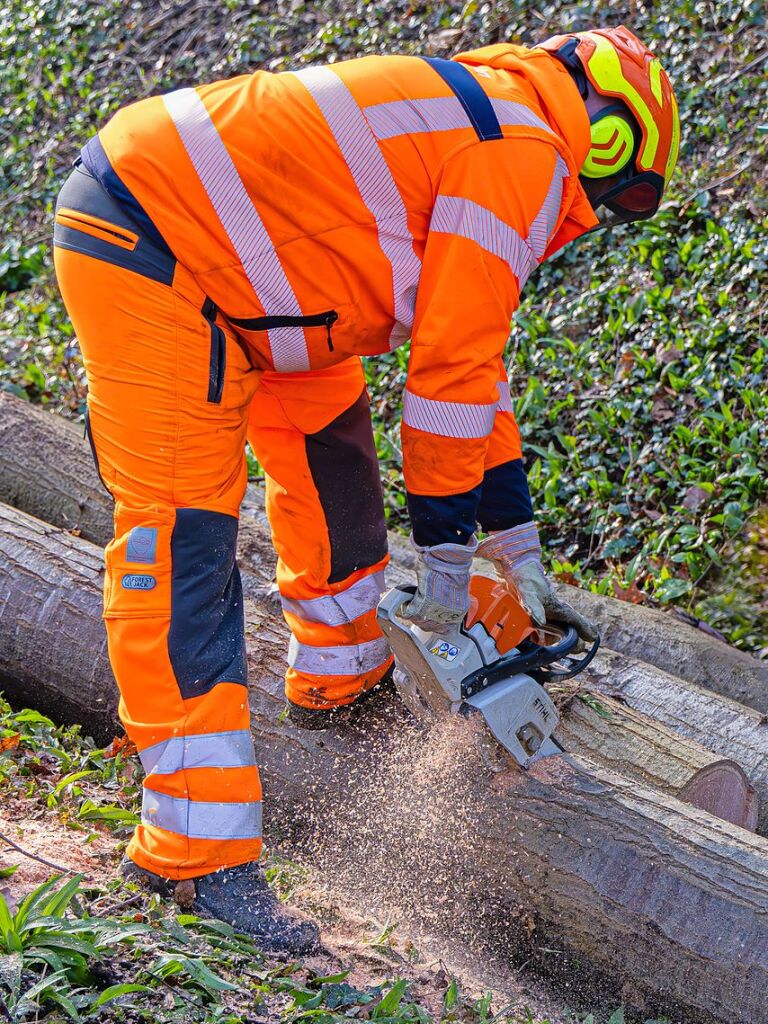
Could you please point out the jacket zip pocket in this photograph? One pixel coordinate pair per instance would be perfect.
(218, 359)
(267, 323)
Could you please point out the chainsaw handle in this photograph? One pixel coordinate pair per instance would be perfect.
(533, 659)
(543, 673)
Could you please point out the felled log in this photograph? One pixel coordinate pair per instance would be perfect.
(661, 639)
(723, 726)
(46, 470)
(638, 747)
(633, 881)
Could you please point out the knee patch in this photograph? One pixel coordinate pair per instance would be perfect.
(179, 566)
(345, 470)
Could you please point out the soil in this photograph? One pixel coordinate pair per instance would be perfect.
(377, 949)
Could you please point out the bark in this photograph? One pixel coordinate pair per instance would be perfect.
(617, 871)
(46, 470)
(636, 746)
(661, 639)
(723, 726)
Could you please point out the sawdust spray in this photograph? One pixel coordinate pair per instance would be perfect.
(402, 845)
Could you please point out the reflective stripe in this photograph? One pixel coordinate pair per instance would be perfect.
(442, 114)
(203, 750)
(448, 419)
(513, 114)
(505, 398)
(376, 186)
(242, 223)
(456, 216)
(200, 819)
(344, 660)
(545, 221)
(410, 117)
(339, 609)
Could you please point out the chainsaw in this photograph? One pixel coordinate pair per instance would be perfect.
(492, 664)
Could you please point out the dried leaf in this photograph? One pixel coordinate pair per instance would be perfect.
(184, 894)
(120, 745)
(661, 411)
(631, 594)
(10, 742)
(695, 497)
(566, 577)
(668, 354)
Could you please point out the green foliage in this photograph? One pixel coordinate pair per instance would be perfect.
(58, 768)
(639, 358)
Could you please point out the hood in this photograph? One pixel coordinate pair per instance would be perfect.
(563, 109)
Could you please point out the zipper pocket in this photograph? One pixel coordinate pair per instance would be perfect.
(218, 359)
(89, 434)
(97, 227)
(266, 323)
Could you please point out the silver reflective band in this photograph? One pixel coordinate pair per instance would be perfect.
(344, 660)
(545, 221)
(203, 750)
(410, 117)
(505, 398)
(456, 216)
(376, 185)
(242, 223)
(339, 609)
(512, 114)
(448, 419)
(442, 114)
(201, 819)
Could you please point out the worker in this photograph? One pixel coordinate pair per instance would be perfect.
(227, 253)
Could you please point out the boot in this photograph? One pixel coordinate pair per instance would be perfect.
(240, 897)
(315, 719)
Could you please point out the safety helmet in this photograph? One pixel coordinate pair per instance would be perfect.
(618, 64)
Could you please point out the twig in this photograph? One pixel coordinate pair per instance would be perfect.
(34, 856)
(747, 67)
(716, 183)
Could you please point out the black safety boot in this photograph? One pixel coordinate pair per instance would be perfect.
(242, 898)
(325, 718)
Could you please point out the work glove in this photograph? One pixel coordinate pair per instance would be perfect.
(516, 553)
(442, 575)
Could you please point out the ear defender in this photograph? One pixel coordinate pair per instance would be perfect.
(613, 144)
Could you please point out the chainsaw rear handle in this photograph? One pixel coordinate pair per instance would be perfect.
(535, 659)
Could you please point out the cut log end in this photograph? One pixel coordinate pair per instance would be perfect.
(723, 790)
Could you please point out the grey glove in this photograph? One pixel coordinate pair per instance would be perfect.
(442, 575)
(516, 553)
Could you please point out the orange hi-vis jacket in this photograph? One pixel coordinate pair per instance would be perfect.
(340, 210)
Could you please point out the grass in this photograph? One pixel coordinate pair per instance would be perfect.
(638, 359)
(76, 951)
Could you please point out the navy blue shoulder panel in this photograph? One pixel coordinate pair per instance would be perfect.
(96, 161)
(470, 95)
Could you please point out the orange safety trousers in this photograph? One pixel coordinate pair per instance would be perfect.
(172, 396)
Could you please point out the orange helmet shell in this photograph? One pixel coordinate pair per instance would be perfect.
(618, 64)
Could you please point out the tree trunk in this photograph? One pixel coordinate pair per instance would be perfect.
(723, 726)
(637, 747)
(46, 470)
(661, 639)
(622, 874)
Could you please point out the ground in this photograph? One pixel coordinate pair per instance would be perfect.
(72, 805)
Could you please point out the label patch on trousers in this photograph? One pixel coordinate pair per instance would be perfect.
(142, 545)
(138, 581)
